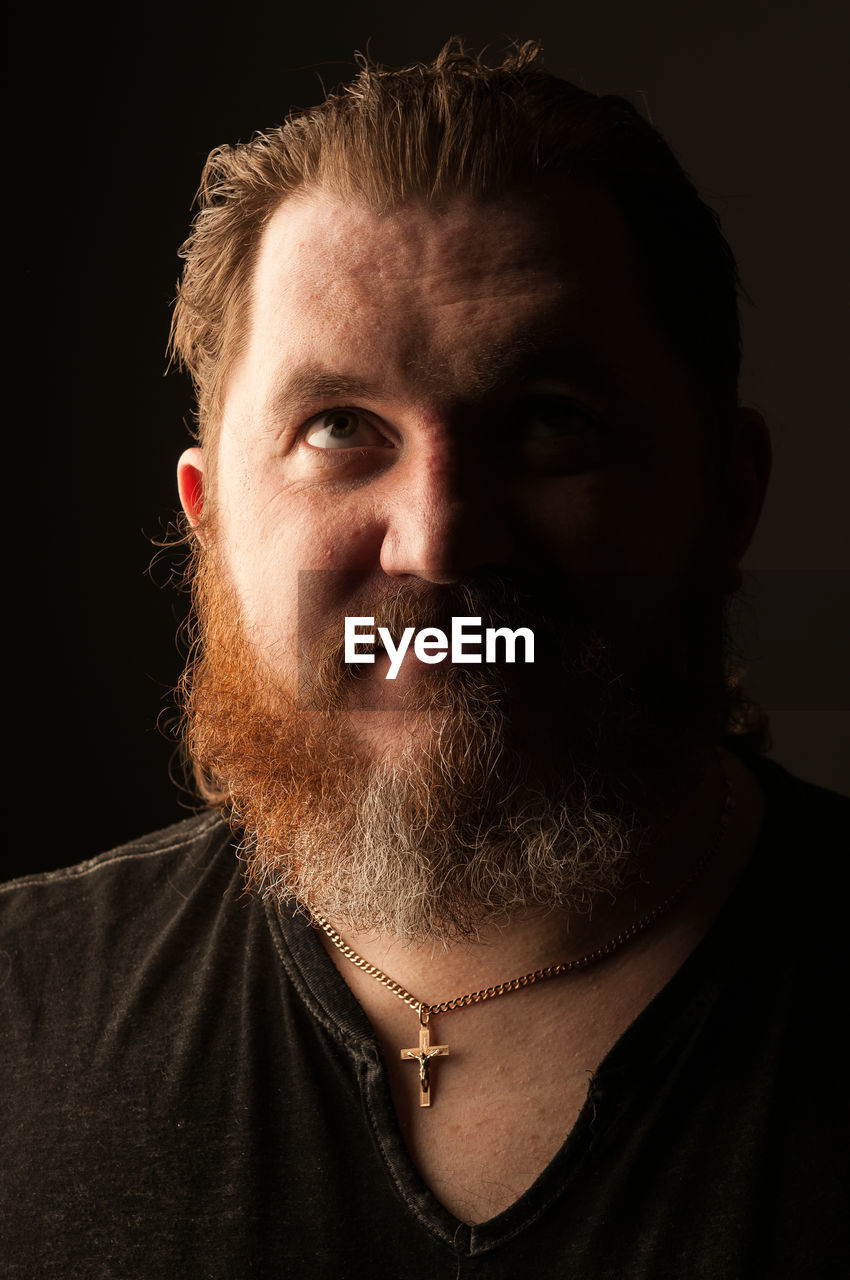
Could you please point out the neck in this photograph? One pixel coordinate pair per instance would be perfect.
(505, 1080)
(434, 973)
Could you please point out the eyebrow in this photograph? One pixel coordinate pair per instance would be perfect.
(517, 360)
(530, 356)
(310, 383)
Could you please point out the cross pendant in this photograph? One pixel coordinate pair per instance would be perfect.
(423, 1056)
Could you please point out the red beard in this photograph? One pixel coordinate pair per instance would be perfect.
(516, 787)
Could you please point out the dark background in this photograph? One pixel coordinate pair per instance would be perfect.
(103, 149)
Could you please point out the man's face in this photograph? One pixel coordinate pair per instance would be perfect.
(428, 395)
(436, 399)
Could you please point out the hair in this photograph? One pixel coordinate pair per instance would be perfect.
(458, 127)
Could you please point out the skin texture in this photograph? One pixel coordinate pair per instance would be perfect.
(453, 469)
(511, 403)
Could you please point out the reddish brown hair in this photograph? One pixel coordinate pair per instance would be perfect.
(457, 126)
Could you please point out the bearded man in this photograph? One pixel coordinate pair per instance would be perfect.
(493, 968)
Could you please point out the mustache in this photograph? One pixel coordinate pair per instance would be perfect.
(555, 617)
(496, 599)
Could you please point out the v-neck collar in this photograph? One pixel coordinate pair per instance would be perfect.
(667, 1022)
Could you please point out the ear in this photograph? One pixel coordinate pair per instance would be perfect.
(190, 485)
(743, 489)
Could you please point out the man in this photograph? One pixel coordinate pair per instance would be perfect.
(523, 981)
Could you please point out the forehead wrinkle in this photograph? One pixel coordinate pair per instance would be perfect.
(521, 358)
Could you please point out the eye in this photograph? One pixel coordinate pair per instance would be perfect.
(556, 432)
(552, 417)
(342, 429)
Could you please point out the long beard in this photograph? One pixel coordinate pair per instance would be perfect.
(497, 799)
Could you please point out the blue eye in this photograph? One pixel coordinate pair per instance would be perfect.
(342, 429)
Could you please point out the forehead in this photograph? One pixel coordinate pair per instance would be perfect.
(440, 296)
(465, 243)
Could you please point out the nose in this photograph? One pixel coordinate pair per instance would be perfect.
(446, 518)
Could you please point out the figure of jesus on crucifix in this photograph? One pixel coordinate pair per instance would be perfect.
(423, 1056)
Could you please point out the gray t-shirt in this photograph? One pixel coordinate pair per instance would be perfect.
(191, 1090)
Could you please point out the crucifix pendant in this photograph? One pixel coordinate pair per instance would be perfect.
(423, 1056)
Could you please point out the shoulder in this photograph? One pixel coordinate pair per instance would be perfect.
(791, 903)
(134, 876)
(178, 836)
(115, 933)
(794, 806)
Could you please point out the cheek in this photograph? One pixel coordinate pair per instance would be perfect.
(296, 556)
(610, 522)
(657, 527)
(622, 542)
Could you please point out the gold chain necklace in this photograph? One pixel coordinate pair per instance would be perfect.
(425, 1051)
